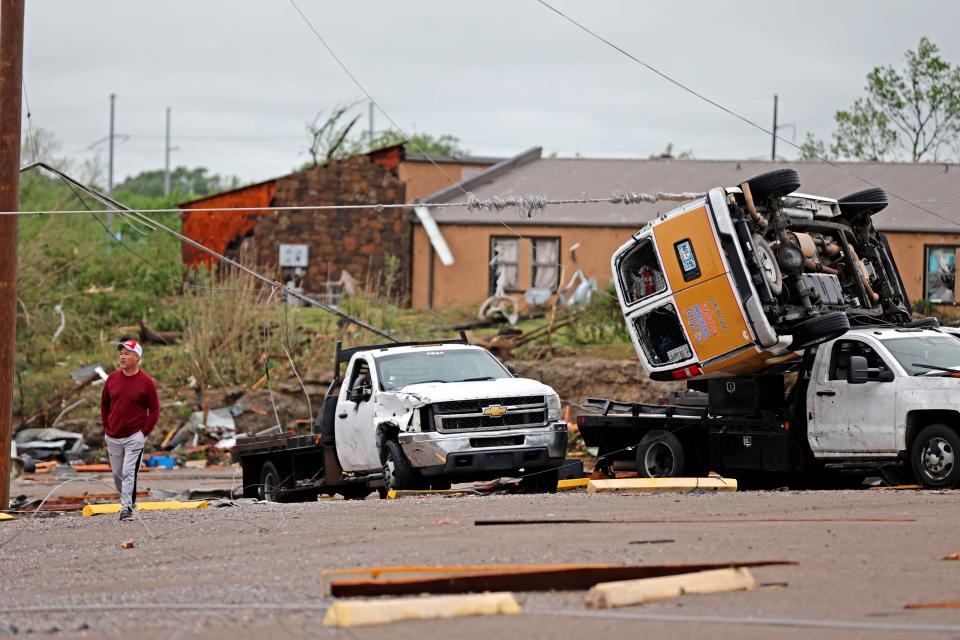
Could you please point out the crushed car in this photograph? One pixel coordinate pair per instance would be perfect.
(746, 276)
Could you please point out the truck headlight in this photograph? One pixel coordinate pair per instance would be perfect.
(553, 408)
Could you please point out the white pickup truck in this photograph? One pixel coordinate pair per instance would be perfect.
(413, 416)
(876, 398)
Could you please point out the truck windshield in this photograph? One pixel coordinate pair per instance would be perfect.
(934, 351)
(458, 365)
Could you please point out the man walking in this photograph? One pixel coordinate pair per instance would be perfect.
(129, 409)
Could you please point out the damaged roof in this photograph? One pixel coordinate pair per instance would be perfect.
(923, 197)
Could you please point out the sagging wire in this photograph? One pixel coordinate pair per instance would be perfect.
(284, 340)
(731, 112)
(123, 209)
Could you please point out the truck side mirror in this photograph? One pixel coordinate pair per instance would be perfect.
(857, 370)
(513, 371)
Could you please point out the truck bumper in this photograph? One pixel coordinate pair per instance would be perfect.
(485, 452)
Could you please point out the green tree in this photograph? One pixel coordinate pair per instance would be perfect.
(184, 182)
(915, 111)
(813, 148)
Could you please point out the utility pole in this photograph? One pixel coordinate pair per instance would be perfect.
(370, 130)
(773, 152)
(166, 159)
(113, 98)
(11, 88)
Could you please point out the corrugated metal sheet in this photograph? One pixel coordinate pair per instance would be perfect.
(935, 188)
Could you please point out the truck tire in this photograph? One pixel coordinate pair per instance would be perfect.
(774, 183)
(544, 481)
(660, 455)
(819, 329)
(935, 456)
(397, 472)
(866, 202)
(270, 483)
(769, 268)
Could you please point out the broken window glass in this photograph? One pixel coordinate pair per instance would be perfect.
(546, 263)
(941, 274)
(505, 263)
(661, 336)
(640, 272)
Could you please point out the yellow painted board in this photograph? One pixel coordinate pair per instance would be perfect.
(661, 485)
(573, 483)
(103, 509)
(5, 516)
(393, 494)
(629, 592)
(358, 613)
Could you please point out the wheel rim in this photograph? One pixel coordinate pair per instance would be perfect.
(767, 266)
(270, 488)
(937, 458)
(658, 461)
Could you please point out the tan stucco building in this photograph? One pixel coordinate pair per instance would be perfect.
(922, 221)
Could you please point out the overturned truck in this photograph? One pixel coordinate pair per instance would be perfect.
(745, 277)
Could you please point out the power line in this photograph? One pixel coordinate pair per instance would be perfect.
(726, 110)
(370, 97)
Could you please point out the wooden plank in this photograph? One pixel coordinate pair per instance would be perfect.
(573, 483)
(661, 485)
(449, 580)
(393, 494)
(949, 604)
(103, 509)
(5, 516)
(629, 592)
(359, 613)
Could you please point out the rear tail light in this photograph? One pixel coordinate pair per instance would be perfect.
(692, 371)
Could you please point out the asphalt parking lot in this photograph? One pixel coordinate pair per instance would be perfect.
(255, 567)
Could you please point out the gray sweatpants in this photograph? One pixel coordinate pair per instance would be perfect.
(125, 456)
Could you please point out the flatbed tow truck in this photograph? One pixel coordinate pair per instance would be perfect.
(875, 400)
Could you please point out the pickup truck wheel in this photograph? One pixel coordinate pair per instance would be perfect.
(819, 329)
(768, 264)
(660, 455)
(397, 473)
(935, 456)
(868, 201)
(774, 183)
(270, 483)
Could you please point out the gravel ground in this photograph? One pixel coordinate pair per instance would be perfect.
(252, 556)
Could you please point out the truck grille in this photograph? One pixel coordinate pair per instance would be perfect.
(468, 415)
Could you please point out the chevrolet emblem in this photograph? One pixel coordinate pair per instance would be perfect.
(494, 410)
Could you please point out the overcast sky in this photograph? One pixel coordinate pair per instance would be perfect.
(244, 76)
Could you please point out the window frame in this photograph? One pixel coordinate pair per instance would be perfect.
(926, 263)
(534, 264)
(491, 273)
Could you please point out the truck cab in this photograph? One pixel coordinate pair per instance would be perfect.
(892, 393)
(412, 416)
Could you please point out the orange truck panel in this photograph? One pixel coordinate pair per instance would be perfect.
(688, 247)
(710, 312)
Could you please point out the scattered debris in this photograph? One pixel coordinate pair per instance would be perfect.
(443, 521)
(661, 485)
(5, 516)
(393, 494)
(621, 594)
(952, 556)
(47, 444)
(575, 483)
(446, 580)
(664, 541)
(374, 612)
(127, 544)
(103, 509)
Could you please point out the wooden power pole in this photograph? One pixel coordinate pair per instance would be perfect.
(11, 86)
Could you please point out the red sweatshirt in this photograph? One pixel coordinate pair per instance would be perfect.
(129, 404)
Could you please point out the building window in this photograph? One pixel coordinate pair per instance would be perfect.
(940, 274)
(504, 263)
(546, 263)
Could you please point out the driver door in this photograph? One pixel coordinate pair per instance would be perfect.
(851, 418)
(355, 430)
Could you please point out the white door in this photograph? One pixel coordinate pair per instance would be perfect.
(850, 418)
(355, 431)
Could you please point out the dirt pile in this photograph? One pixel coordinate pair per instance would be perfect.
(576, 379)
